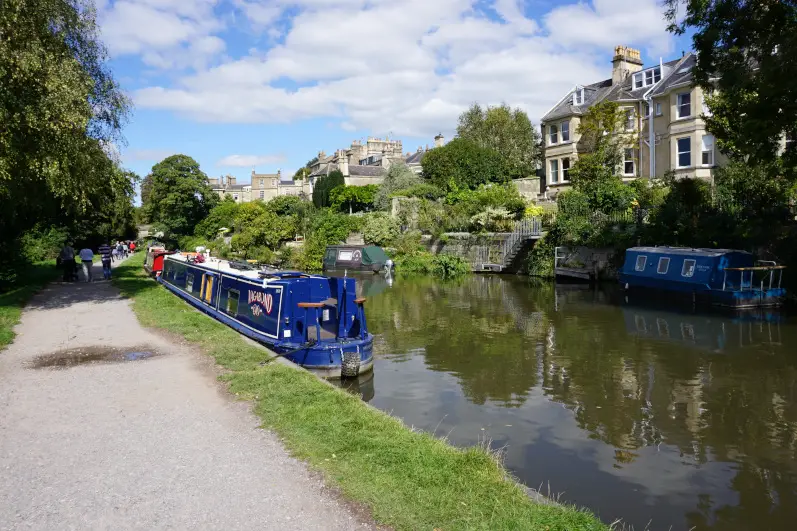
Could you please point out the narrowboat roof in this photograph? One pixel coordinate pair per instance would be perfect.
(687, 251)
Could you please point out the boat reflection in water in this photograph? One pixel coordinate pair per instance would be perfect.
(362, 386)
(711, 333)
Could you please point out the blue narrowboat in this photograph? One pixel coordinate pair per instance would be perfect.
(314, 321)
(721, 277)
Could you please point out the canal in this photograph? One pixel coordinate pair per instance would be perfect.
(661, 417)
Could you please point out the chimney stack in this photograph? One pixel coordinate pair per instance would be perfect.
(438, 140)
(625, 62)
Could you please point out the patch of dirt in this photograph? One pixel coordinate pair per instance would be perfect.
(64, 359)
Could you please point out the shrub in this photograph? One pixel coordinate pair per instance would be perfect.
(493, 220)
(190, 243)
(463, 164)
(423, 190)
(42, 243)
(425, 263)
(380, 229)
(408, 243)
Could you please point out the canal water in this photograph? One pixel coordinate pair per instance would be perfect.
(662, 417)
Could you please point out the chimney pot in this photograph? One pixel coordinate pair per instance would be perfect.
(625, 62)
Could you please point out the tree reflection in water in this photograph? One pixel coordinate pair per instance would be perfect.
(715, 388)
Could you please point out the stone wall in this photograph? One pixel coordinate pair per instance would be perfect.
(529, 188)
(603, 261)
(475, 248)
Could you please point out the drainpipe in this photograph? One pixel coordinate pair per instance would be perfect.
(651, 137)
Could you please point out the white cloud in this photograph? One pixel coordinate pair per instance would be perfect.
(403, 67)
(246, 161)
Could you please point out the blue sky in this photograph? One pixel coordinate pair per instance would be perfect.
(238, 84)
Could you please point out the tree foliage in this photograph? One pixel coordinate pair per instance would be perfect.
(595, 173)
(353, 198)
(305, 171)
(220, 216)
(463, 164)
(381, 229)
(399, 177)
(506, 131)
(180, 197)
(746, 50)
(324, 185)
(60, 113)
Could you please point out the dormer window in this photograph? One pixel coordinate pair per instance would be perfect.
(578, 96)
(647, 77)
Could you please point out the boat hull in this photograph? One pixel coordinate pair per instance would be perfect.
(347, 357)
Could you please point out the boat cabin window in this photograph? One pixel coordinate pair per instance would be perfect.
(232, 302)
(189, 282)
(640, 262)
(345, 255)
(664, 265)
(688, 269)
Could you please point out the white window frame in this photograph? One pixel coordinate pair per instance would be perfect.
(644, 261)
(553, 134)
(692, 262)
(553, 167)
(578, 96)
(658, 109)
(262, 194)
(562, 127)
(665, 261)
(642, 79)
(627, 160)
(679, 104)
(629, 120)
(704, 151)
(678, 152)
(565, 171)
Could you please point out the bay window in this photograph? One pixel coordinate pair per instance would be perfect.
(565, 130)
(707, 150)
(554, 171)
(684, 105)
(684, 152)
(565, 170)
(553, 135)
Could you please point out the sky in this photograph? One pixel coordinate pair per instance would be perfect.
(267, 84)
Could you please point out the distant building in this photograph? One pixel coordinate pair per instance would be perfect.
(364, 164)
(263, 187)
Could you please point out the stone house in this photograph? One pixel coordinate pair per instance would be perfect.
(663, 113)
(263, 187)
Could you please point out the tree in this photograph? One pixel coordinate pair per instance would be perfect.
(507, 131)
(324, 185)
(399, 177)
(352, 198)
(180, 196)
(381, 229)
(60, 113)
(463, 164)
(304, 172)
(746, 51)
(221, 216)
(595, 173)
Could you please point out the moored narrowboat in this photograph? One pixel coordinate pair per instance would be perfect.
(356, 258)
(314, 321)
(153, 264)
(721, 277)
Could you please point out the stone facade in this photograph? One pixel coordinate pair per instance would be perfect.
(263, 187)
(664, 113)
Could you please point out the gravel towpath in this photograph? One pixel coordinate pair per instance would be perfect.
(149, 444)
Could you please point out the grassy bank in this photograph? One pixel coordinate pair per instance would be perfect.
(409, 480)
(29, 281)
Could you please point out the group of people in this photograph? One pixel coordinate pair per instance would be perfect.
(68, 259)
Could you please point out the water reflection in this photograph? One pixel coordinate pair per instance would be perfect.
(643, 413)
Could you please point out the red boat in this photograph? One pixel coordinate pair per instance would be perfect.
(153, 265)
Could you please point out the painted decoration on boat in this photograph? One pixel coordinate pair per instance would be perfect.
(260, 302)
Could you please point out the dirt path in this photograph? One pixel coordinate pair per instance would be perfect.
(147, 444)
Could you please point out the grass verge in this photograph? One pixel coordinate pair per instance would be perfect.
(408, 479)
(30, 280)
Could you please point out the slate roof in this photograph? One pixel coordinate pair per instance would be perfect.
(322, 170)
(681, 74)
(605, 91)
(415, 158)
(366, 171)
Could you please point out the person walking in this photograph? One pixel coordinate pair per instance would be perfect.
(87, 258)
(105, 256)
(68, 262)
(125, 249)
